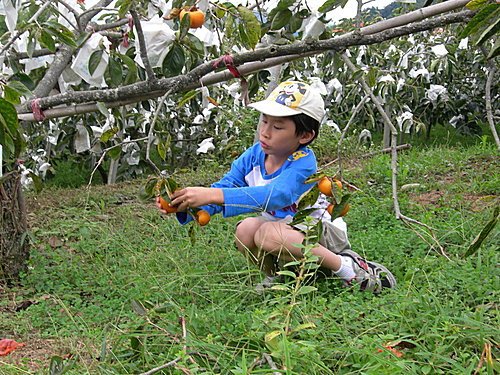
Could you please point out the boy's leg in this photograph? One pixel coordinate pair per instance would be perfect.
(279, 239)
(245, 242)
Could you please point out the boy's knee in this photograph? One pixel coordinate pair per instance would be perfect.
(264, 233)
(245, 231)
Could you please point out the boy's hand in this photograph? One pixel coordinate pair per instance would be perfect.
(196, 197)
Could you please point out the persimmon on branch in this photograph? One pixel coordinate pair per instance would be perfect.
(149, 90)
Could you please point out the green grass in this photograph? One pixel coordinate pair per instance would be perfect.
(109, 279)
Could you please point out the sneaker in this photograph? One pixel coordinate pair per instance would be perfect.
(266, 283)
(371, 276)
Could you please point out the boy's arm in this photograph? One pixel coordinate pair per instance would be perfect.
(283, 191)
(211, 199)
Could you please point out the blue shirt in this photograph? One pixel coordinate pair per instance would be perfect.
(247, 187)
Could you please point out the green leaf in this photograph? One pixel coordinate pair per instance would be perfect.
(478, 21)
(47, 41)
(132, 69)
(476, 4)
(162, 150)
(306, 289)
(175, 59)
(8, 117)
(187, 97)
(184, 26)
(61, 33)
(295, 23)
(301, 215)
(371, 77)
(304, 326)
(493, 29)
(115, 71)
(281, 19)
(474, 246)
(171, 185)
(337, 210)
(287, 273)
(308, 198)
(37, 182)
(108, 134)
(315, 177)
(115, 152)
(11, 95)
(94, 61)
(19, 87)
(332, 4)
(30, 48)
(251, 26)
(123, 7)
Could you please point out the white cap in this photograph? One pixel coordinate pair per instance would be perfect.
(292, 98)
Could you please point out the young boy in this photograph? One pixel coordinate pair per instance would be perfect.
(269, 177)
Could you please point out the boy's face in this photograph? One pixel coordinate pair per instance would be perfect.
(277, 136)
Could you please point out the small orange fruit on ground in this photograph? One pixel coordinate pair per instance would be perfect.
(325, 185)
(202, 217)
(196, 17)
(167, 206)
(344, 212)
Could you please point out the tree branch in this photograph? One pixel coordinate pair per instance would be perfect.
(142, 46)
(142, 90)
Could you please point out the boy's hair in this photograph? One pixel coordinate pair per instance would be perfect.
(305, 124)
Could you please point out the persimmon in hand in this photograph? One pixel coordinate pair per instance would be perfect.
(167, 206)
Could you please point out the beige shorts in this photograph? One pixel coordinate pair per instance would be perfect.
(333, 236)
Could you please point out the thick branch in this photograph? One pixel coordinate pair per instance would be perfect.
(62, 58)
(141, 90)
(487, 96)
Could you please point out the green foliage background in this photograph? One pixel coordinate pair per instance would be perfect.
(109, 278)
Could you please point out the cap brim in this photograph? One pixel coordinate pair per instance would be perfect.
(271, 108)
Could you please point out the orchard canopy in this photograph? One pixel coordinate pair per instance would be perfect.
(133, 84)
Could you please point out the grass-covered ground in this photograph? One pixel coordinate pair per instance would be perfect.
(115, 288)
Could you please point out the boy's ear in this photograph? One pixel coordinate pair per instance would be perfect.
(307, 137)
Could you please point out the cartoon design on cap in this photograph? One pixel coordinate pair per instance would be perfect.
(291, 94)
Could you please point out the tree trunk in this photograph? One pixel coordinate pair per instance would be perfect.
(14, 245)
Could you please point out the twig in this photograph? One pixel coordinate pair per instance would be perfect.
(70, 8)
(182, 320)
(143, 48)
(105, 151)
(159, 368)
(151, 132)
(271, 363)
(408, 221)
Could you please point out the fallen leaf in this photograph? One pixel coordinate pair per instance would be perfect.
(8, 345)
